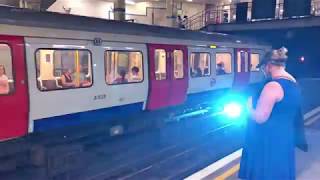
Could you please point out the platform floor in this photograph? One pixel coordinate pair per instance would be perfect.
(307, 163)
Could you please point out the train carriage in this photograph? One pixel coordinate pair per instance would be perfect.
(66, 70)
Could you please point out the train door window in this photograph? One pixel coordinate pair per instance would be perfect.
(242, 61)
(178, 64)
(160, 64)
(6, 70)
(200, 64)
(255, 59)
(122, 67)
(223, 63)
(63, 69)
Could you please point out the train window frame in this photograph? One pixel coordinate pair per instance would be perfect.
(183, 64)
(167, 53)
(259, 55)
(122, 50)
(210, 64)
(63, 49)
(239, 65)
(231, 63)
(12, 71)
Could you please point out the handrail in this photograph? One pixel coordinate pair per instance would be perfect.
(220, 15)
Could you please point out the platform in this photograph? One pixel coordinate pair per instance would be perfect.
(307, 163)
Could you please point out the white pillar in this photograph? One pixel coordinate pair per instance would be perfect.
(171, 12)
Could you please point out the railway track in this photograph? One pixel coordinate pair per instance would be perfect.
(187, 155)
(125, 157)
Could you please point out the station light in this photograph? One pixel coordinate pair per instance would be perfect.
(130, 2)
(213, 46)
(302, 59)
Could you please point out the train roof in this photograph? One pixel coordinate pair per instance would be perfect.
(25, 17)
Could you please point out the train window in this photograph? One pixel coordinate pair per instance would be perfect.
(178, 64)
(6, 71)
(122, 67)
(223, 63)
(255, 59)
(63, 69)
(200, 64)
(160, 64)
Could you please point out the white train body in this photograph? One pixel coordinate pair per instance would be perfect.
(56, 108)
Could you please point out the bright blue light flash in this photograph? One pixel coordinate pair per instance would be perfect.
(232, 107)
(232, 110)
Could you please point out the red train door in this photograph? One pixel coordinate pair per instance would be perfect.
(168, 75)
(242, 68)
(14, 102)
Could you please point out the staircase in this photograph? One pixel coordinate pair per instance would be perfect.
(201, 19)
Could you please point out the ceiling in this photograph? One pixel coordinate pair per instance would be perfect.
(44, 4)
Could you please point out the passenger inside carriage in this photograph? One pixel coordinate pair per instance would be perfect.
(220, 69)
(198, 72)
(67, 79)
(122, 79)
(84, 81)
(135, 74)
(4, 81)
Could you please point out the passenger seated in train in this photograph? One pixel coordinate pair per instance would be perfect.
(67, 79)
(122, 79)
(220, 69)
(4, 81)
(198, 72)
(206, 71)
(135, 74)
(83, 79)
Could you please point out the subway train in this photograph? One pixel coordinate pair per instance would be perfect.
(61, 71)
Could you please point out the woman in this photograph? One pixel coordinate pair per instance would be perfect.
(4, 81)
(122, 79)
(135, 74)
(268, 152)
(67, 79)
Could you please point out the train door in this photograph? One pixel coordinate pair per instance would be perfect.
(14, 103)
(242, 68)
(168, 73)
(178, 74)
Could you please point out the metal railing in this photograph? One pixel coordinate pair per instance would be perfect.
(227, 14)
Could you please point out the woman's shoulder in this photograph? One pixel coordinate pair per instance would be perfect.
(273, 89)
(272, 85)
(4, 77)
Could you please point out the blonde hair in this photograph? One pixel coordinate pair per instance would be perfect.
(280, 54)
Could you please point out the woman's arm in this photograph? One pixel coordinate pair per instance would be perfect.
(4, 84)
(270, 95)
(65, 83)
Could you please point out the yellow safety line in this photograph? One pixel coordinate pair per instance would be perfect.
(229, 172)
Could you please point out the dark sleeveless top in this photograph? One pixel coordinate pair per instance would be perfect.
(68, 78)
(268, 152)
